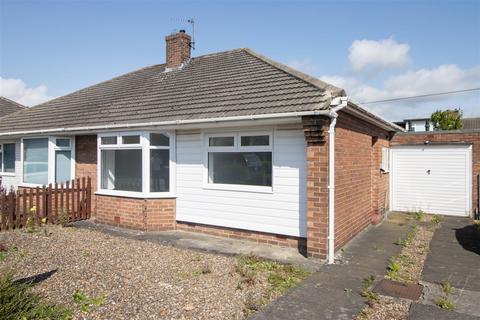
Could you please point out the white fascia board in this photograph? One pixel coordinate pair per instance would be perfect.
(170, 124)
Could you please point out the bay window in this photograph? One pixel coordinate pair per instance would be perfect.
(135, 164)
(7, 158)
(239, 161)
(47, 160)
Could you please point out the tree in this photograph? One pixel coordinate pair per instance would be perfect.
(450, 119)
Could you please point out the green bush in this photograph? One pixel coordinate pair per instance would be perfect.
(18, 302)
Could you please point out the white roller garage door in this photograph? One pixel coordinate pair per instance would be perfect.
(433, 178)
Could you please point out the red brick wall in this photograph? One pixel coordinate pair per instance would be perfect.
(360, 186)
(315, 129)
(448, 137)
(134, 213)
(260, 237)
(86, 161)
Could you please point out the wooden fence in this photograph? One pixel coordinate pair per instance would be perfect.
(58, 203)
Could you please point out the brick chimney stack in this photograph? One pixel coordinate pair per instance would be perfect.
(178, 49)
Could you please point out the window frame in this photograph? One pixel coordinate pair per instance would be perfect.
(145, 146)
(51, 149)
(385, 160)
(237, 148)
(2, 152)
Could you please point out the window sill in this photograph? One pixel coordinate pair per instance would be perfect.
(7, 174)
(132, 194)
(238, 187)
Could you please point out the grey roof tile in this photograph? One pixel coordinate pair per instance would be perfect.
(8, 106)
(233, 83)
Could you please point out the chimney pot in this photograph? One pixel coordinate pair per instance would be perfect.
(178, 49)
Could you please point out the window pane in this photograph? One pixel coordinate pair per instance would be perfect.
(35, 161)
(9, 157)
(62, 166)
(159, 170)
(159, 140)
(246, 168)
(109, 140)
(122, 170)
(255, 140)
(131, 139)
(62, 142)
(220, 141)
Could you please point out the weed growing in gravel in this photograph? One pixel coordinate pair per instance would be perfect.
(85, 302)
(279, 277)
(18, 302)
(31, 220)
(393, 269)
(420, 215)
(436, 219)
(445, 304)
(3, 256)
(447, 287)
(371, 296)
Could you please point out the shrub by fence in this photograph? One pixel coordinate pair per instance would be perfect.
(57, 203)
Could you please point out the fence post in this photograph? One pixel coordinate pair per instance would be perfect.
(89, 197)
(37, 205)
(25, 209)
(2, 209)
(67, 199)
(79, 210)
(56, 202)
(17, 210)
(11, 202)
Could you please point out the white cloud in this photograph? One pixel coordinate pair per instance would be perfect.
(371, 54)
(443, 78)
(17, 90)
(305, 65)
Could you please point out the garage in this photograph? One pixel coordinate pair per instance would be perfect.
(433, 178)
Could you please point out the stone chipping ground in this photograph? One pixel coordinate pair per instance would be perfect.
(411, 259)
(140, 280)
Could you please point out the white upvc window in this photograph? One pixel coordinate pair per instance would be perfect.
(385, 165)
(7, 158)
(47, 160)
(136, 164)
(240, 161)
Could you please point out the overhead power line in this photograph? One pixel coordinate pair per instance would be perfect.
(422, 96)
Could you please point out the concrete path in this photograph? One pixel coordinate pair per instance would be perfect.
(208, 243)
(455, 257)
(333, 291)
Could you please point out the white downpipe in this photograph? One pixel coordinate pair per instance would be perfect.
(331, 179)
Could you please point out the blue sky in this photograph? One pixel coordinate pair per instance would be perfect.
(375, 49)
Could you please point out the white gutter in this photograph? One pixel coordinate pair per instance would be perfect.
(337, 104)
(172, 122)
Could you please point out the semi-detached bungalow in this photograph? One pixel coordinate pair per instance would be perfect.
(230, 143)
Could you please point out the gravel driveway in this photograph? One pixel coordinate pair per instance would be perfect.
(140, 280)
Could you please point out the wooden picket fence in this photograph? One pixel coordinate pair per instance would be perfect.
(58, 203)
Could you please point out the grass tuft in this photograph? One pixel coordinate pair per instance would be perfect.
(17, 301)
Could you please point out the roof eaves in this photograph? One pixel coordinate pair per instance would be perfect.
(375, 118)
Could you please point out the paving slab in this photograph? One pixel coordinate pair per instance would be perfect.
(420, 311)
(333, 291)
(464, 301)
(454, 255)
(208, 243)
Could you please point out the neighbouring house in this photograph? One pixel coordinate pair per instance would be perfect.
(8, 106)
(425, 124)
(7, 151)
(416, 125)
(231, 144)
